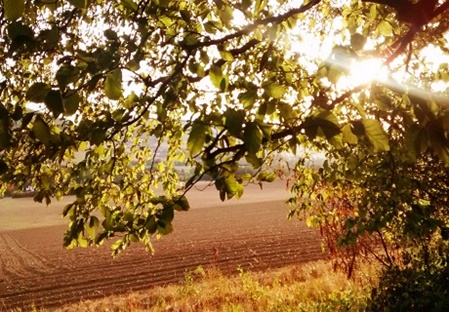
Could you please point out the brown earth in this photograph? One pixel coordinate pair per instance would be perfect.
(251, 233)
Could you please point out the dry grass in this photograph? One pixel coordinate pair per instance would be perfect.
(309, 287)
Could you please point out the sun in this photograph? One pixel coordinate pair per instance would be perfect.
(367, 70)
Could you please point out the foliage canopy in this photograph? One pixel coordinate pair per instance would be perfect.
(101, 99)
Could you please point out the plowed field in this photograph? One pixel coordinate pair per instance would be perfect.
(251, 233)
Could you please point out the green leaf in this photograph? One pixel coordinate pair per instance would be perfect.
(226, 14)
(216, 75)
(151, 224)
(254, 161)
(234, 121)
(245, 4)
(133, 64)
(92, 226)
(348, 136)
(328, 119)
(41, 131)
(117, 246)
(376, 135)
(182, 204)
(197, 137)
(13, 9)
(71, 104)
(67, 74)
(129, 4)
(3, 167)
(18, 113)
(323, 123)
(260, 6)
(385, 28)
(113, 85)
(336, 140)
(248, 98)
(373, 12)
(68, 210)
(5, 136)
(212, 26)
(232, 187)
(334, 73)
(164, 228)
(110, 34)
(383, 102)
(441, 148)
(82, 241)
(51, 37)
(17, 30)
(37, 92)
(416, 141)
(275, 90)
(252, 137)
(167, 214)
(97, 136)
(357, 128)
(286, 112)
(186, 15)
(190, 39)
(224, 83)
(50, 4)
(79, 4)
(266, 176)
(266, 130)
(227, 56)
(54, 103)
(262, 111)
(222, 195)
(358, 41)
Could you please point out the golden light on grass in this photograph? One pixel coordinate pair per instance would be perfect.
(312, 286)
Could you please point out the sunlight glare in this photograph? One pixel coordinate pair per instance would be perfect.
(367, 70)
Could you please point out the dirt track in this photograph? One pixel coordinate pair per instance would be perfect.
(252, 233)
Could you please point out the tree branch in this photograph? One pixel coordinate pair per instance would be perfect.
(439, 10)
(346, 95)
(407, 39)
(250, 28)
(235, 52)
(240, 148)
(403, 43)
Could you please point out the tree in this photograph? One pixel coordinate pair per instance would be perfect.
(92, 90)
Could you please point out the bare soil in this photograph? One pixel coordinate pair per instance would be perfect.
(252, 233)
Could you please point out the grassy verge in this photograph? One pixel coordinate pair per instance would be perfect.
(308, 287)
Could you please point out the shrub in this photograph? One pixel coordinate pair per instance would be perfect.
(411, 289)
